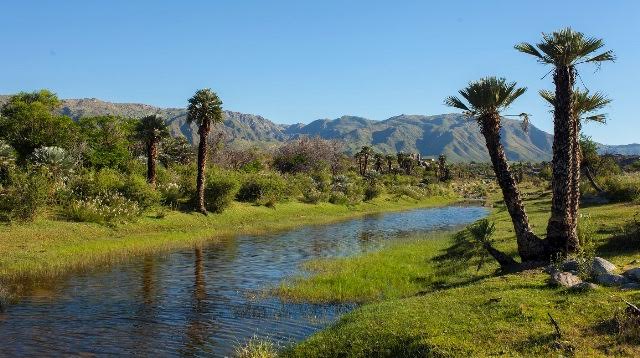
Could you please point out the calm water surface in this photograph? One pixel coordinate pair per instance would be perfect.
(201, 301)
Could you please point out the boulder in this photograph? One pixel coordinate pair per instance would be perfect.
(584, 286)
(571, 265)
(610, 279)
(566, 279)
(633, 274)
(601, 266)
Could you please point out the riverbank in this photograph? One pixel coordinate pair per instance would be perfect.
(428, 298)
(48, 247)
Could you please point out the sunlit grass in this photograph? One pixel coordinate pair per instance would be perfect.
(419, 306)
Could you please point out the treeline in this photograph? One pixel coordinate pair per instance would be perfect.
(110, 169)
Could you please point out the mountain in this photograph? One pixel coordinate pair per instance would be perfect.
(624, 149)
(452, 134)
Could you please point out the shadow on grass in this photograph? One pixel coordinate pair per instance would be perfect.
(628, 241)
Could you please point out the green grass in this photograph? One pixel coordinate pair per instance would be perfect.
(421, 303)
(48, 247)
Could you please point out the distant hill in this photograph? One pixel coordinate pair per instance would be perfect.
(625, 149)
(452, 134)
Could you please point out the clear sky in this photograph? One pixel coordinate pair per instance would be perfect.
(297, 61)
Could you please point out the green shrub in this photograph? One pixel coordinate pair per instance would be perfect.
(137, 189)
(623, 188)
(219, 192)
(410, 191)
(372, 191)
(263, 189)
(107, 208)
(23, 196)
(347, 189)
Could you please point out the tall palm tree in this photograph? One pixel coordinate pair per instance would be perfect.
(485, 99)
(367, 153)
(565, 50)
(584, 104)
(205, 110)
(151, 130)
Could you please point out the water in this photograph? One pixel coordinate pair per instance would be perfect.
(201, 301)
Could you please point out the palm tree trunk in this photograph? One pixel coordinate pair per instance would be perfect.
(575, 180)
(152, 155)
(562, 236)
(592, 180)
(530, 247)
(202, 163)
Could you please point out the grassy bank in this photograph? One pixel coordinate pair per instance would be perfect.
(50, 247)
(426, 299)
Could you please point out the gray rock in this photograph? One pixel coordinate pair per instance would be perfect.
(630, 286)
(584, 286)
(633, 273)
(610, 279)
(571, 265)
(601, 266)
(566, 279)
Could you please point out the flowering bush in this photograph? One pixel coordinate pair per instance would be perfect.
(107, 208)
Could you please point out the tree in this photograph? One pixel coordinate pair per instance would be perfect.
(176, 150)
(565, 50)
(150, 130)
(584, 104)
(379, 162)
(205, 110)
(28, 122)
(485, 99)
(106, 141)
(389, 158)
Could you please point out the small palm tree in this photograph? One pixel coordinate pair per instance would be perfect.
(150, 130)
(584, 104)
(378, 161)
(389, 158)
(205, 110)
(565, 50)
(485, 99)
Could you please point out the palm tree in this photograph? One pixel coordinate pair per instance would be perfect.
(379, 161)
(485, 99)
(389, 158)
(584, 104)
(366, 152)
(150, 130)
(565, 50)
(205, 110)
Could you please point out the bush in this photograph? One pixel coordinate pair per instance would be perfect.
(137, 189)
(219, 192)
(623, 188)
(412, 192)
(372, 191)
(107, 208)
(263, 189)
(346, 189)
(24, 195)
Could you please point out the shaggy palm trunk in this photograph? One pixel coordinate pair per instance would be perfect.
(530, 247)
(202, 163)
(389, 166)
(152, 155)
(562, 236)
(575, 180)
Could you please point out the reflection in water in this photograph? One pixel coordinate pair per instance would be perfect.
(203, 301)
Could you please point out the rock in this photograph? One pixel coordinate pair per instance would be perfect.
(571, 265)
(601, 266)
(633, 273)
(630, 286)
(566, 279)
(584, 286)
(610, 279)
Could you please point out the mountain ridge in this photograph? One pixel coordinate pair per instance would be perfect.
(454, 135)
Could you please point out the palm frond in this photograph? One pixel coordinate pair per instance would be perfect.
(548, 96)
(529, 49)
(456, 103)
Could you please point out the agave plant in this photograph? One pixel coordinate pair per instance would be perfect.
(55, 159)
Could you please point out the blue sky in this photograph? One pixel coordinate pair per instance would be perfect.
(297, 61)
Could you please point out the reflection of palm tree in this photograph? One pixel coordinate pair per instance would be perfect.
(197, 326)
(147, 281)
